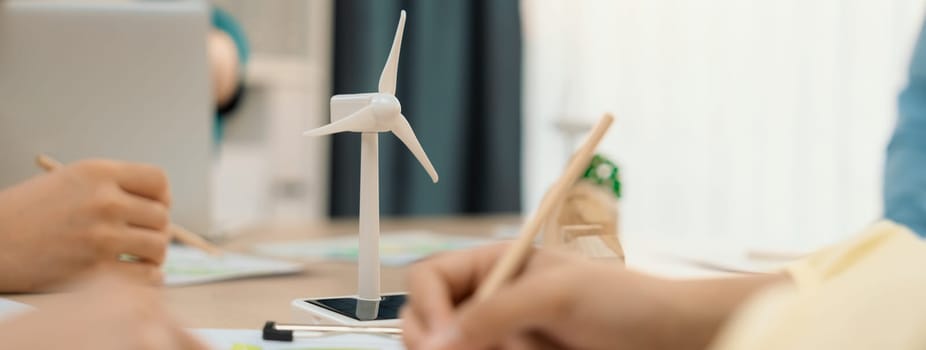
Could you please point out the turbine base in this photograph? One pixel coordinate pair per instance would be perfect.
(349, 310)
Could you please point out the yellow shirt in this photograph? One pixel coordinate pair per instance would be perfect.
(866, 293)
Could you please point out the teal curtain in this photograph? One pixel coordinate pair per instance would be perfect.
(460, 87)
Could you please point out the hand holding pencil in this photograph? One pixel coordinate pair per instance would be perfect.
(516, 296)
(511, 296)
(181, 234)
(81, 219)
(557, 301)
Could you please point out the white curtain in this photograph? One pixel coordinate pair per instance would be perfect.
(741, 119)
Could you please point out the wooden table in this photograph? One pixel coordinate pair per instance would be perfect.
(247, 303)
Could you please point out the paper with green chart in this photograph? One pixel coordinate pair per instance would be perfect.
(185, 265)
(396, 248)
(244, 339)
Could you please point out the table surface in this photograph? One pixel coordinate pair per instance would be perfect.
(248, 303)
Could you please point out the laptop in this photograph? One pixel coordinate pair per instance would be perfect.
(114, 79)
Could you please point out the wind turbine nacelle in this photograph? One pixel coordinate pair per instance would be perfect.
(345, 105)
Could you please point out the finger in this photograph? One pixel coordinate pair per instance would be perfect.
(527, 304)
(413, 333)
(144, 212)
(145, 274)
(148, 245)
(530, 341)
(186, 341)
(155, 333)
(431, 290)
(144, 180)
(438, 283)
(180, 337)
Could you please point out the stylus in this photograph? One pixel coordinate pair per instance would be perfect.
(289, 331)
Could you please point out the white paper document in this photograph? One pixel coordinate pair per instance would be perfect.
(247, 339)
(187, 265)
(395, 248)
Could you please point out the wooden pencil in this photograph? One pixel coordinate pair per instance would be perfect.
(519, 251)
(181, 234)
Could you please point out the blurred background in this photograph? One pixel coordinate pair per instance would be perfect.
(459, 84)
(761, 120)
(739, 119)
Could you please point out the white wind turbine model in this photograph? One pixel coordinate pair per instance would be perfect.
(370, 114)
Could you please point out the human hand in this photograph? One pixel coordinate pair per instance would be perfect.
(557, 302)
(109, 314)
(79, 219)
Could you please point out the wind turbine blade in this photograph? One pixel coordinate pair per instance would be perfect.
(360, 121)
(404, 132)
(388, 78)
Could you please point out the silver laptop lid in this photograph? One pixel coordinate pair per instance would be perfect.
(123, 80)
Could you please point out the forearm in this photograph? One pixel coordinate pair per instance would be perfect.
(702, 307)
(14, 279)
(13, 270)
(25, 332)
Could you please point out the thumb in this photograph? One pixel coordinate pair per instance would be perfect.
(526, 304)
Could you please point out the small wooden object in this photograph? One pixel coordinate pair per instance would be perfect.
(518, 253)
(181, 234)
(586, 222)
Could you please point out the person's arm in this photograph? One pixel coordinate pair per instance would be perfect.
(564, 301)
(706, 305)
(109, 314)
(905, 169)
